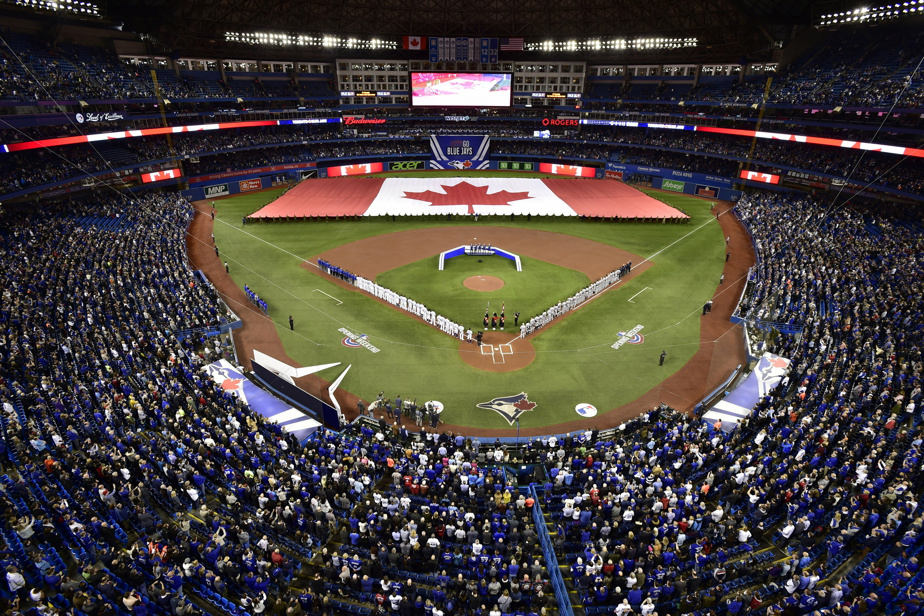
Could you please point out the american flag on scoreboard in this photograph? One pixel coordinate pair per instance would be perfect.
(511, 44)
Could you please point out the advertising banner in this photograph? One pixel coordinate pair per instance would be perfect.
(705, 191)
(672, 185)
(247, 185)
(573, 170)
(357, 169)
(217, 190)
(159, 176)
(514, 165)
(802, 178)
(460, 151)
(258, 170)
(758, 176)
(613, 175)
(406, 165)
(685, 176)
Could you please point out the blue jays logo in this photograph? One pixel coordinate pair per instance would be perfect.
(509, 407)
(460, 164)
(354, 343)
(229, 379)
(770, 370)
(634, 339)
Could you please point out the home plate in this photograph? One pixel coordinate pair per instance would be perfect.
(497, 353)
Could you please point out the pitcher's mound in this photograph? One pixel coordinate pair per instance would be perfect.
(483, 283)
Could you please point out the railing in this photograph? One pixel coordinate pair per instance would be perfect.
(551, 562)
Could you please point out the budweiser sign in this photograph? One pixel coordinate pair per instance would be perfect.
(355, 120)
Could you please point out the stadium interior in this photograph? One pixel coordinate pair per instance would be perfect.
(133, 481)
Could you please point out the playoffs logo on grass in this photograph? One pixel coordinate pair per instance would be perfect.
(354, 341)
(632, 337)
(510, 407)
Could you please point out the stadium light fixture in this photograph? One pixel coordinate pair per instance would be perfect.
(867, 14)
(306, 40)
(613, 44)
(60, 6)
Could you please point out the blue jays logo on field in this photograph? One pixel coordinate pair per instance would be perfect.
(353, 343)
(509, 407)
(634, 339)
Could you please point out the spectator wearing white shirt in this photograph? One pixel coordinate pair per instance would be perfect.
(744, 535)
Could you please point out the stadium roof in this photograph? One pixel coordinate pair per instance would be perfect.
(729, 29)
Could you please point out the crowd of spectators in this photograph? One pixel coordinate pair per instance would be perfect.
(219, 152)
(137, 484)
(223, 150)
(137, 481)
(34, 70)
(673, 514)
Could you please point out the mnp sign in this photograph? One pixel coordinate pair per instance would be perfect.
(672, 185)
(217, 190)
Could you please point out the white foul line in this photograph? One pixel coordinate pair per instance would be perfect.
(639, 293)
(330, 296)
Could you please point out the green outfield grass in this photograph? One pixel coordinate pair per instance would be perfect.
(575, 362)
(539, 284)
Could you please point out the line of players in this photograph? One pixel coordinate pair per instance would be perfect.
(494, 321)
(575, 300)
(479, 250)
(256, 300)
(339, 272)
(414, 307)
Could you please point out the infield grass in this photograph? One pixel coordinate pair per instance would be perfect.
(574, 360)
(539, 284)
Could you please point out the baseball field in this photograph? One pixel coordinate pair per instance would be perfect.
(605, 354)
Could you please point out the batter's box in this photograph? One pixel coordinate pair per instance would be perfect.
(497, 353)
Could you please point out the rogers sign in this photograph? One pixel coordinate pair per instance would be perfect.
(354, 120)
(558, 122)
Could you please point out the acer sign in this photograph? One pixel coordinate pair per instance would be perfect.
(247, 185)
(358, 169)
(572, 170)
(405, 165)
(560, 122)
(357, 120)
(757, 176)
(160, 176)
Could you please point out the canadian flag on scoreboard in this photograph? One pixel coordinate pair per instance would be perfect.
(413, 42)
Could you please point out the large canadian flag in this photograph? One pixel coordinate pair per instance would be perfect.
(413, 42)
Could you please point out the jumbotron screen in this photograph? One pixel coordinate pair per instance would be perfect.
(461, 89)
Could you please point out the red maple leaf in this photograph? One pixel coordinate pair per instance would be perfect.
(231, 384)
(464, 193)
(778, 362)
(525, 405)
